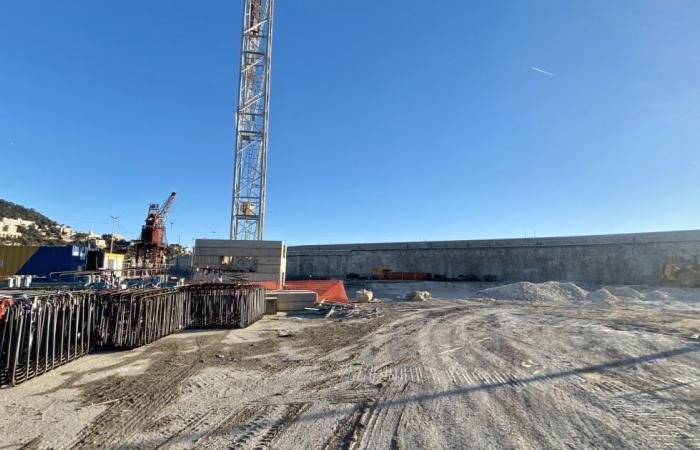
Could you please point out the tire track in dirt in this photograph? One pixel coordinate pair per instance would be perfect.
(289, 416)
(349, 430)
(119, 422)
(374, 423)
(142, 397)
(254, 427)
(216, 437)
(190, 429)
(385, 416)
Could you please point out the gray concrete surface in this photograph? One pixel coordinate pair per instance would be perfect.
(605, 259)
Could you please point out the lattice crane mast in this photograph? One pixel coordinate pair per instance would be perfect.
(250, 162)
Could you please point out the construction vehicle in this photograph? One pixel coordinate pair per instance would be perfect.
(685, 275)
(150, 250)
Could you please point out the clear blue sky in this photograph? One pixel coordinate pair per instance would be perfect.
(390, 120)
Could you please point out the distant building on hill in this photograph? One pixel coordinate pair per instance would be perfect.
(9, 228)
(66, 233)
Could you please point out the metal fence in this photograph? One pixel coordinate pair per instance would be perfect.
(40, 332)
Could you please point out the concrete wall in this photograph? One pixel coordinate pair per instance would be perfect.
(268, 257)
(606, 259)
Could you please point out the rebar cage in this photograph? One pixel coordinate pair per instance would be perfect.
(43, 331)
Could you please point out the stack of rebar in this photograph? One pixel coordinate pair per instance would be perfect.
(225, 305)
(41, 332)
(44, 330)
(128, 319)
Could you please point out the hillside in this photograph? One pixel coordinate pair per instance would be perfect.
(45, 231)
(15, 211)
(48, 232)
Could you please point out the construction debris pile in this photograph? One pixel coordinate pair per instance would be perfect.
(42, 331)
(418, 296)
(344, 311)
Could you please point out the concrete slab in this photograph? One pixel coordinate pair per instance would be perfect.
(294, 300)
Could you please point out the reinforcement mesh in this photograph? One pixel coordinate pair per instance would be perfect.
(43, 331)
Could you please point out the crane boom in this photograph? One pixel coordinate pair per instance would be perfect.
(167, 206)
(250, 161)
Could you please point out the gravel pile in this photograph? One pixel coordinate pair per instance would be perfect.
(564, 292)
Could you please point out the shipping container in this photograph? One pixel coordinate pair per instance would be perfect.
(12, 258)
(41, 261)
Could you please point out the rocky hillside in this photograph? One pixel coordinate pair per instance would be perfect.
(44, 231)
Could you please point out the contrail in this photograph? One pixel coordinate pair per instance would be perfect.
(537, 69)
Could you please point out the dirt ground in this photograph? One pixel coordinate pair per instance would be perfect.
(454, 372)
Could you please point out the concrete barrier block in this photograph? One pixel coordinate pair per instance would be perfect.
(294, 300)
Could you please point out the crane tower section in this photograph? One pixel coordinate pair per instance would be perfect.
(250, 162)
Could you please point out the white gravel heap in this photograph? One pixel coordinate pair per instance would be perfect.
(603, 295)
(548, 292)
(563, 292)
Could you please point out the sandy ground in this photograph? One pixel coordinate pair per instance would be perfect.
(460, 371)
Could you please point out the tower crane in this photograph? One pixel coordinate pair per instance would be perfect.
(250, 162)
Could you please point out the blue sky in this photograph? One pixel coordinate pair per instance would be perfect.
(390, 121)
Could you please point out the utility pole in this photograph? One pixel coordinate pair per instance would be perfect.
(250, 161)
(111, 237)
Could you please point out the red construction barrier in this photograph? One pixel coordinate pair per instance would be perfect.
(328, 290)
(4, 304)
(270, 285)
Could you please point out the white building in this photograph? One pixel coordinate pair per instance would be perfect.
(66, 233)
(116, 236)
(8, 227)
(96, 240)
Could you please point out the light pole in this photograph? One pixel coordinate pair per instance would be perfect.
(111, 240)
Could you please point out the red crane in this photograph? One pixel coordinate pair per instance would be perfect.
(150, 251)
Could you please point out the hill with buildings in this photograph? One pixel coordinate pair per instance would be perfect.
(20, 225)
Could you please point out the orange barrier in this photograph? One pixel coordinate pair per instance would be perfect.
(4, 304)
(269, 285)
(328, 290)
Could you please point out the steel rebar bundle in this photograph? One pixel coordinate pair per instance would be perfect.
(225, 305)
(128, 319)
(40, 332)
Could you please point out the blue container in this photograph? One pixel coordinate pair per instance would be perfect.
(55, 259)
